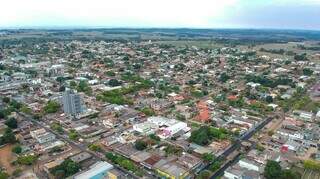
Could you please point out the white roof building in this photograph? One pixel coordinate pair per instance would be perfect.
(98, 170)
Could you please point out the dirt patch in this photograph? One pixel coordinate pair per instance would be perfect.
(7, 157)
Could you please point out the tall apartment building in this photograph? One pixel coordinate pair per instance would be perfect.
(71, 103)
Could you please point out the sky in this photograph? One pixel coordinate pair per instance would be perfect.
(275, 14)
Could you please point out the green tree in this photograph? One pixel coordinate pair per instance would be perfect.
(208, 157)
(6, 100)
(154, 137)
(272, 170)
(73, 134)
(3, 175)
(148, 111)
(269, 99)
(51, 107)
(95, 147)
(289, 174)
(224, 77)
(114, 82)
(17, 149)
(307, 71)
(84, 87)
(140, 145)
(57, 127)
(8, 137)
(12, 123)
(66, 169)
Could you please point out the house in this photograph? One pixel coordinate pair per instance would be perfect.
(250, 165)
(81, 157)
(172, 170)
(189, 161)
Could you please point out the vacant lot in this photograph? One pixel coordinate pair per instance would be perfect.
(6, 158)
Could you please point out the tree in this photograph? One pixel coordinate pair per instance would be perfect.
(269, 99)
(272, 170)
(224, 77)
(6, 100)
(140, 145)
(154, 137)
(17, 149)
(57, 127)
(15, 104)
(148, 111)
(3, 175)
(307, 71)
(65, 169)
(73, 134)
(8, 137)
(215, 166)
(289, 174)
(301, 57)
(51, 107)
(208, 157)
(12, 123)
(205, 134)
(114, 82)
(73, 84)
(84, 87)
(95, 147)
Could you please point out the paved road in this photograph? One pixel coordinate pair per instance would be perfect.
(236, 145)
(83, 148)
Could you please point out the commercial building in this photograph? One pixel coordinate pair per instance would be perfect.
(96, 171)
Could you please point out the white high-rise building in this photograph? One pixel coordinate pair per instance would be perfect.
(72, 103)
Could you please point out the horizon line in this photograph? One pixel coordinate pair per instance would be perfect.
(132, 27)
